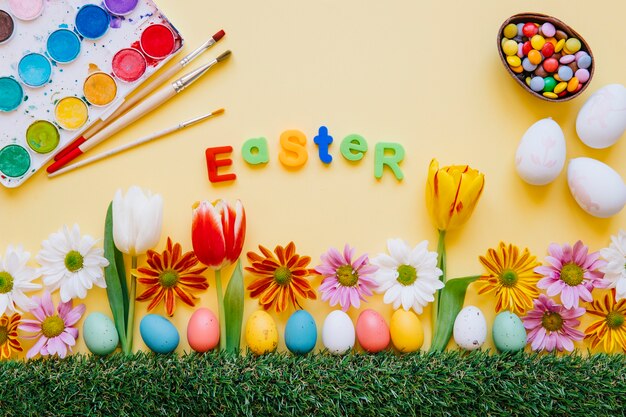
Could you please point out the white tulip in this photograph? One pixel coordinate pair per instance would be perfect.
(137, 220)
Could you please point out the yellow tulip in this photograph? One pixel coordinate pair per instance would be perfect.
(452, 193)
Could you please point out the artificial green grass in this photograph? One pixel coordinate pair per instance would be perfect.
(437, 384)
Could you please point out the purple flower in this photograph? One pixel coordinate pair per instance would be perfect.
(345, 282)
(56, 332)
(572, 272)
(552, 326)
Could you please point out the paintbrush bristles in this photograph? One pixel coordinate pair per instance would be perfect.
(223, 56)
(218, 112)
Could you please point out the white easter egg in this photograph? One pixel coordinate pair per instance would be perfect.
(338, 333)
(470, 328)
(596, 187)
(540, 155)
(602, 119)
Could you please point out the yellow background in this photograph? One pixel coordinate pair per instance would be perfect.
(423, 74)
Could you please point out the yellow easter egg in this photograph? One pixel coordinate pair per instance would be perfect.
(407, 334)
(261, 333)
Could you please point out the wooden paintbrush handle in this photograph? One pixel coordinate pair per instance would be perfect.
(131, 116)
(157, 82)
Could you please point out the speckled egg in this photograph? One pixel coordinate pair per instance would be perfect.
(261, 333)
(203, 330)
(509, 334)
(300, 333)
(159, 334)
(372, 331)
(406, 331)
(470, 328)
(338, 333)
(100, 334)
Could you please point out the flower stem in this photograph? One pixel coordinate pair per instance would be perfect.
(441, 264)
(441, 250)
(130, 329)
(220, 304)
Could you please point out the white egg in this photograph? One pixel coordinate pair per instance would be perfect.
(596, 187)
(470, 328)
(540, 155)
(602, 119)
(338, 333)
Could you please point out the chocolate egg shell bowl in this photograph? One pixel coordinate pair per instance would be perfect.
(548, 58)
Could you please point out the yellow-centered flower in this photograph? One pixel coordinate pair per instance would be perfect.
(452, 193)
(511, 275)
(609, 326)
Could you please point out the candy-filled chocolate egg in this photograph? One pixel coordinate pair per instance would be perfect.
(372, 331)
(596, 187)
(602, 119)
(470, 328)
(541, 153)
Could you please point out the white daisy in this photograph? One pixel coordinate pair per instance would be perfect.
(615, 269)
(409, 277)
(72, 263)
(16, 279)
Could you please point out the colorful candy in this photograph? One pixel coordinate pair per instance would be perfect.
(529, 30)
(549, 84)
(537, 42)
(565, 73)
(509, 47)
(547, 50)
(547, 59)
(510, 31)
(550, 65)
(582, 75)
(548, 29)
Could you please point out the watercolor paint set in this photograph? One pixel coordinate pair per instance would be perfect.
(66, 64)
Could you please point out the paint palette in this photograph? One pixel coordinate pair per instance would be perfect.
(65, 64)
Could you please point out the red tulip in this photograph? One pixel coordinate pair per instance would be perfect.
(217, 232)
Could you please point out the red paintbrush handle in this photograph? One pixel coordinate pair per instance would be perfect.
(73, 154)
(77, 142)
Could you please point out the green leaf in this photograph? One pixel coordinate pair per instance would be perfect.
(233, 309)
(117, 290)
(121, 273)
(451, 299)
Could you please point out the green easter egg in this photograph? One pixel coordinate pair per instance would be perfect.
(100, 334)
(509, 334)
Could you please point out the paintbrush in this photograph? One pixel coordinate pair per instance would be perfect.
(136, 143)
(141, 94)
(143, 108)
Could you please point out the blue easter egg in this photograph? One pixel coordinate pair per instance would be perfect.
(159, 334)
(300, 333)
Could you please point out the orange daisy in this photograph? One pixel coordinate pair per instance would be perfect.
(610, 326)
(511, 275)
(281, 277)
(8, 335)
(171, 275)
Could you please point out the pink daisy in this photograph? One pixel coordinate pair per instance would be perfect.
(345, 282)
(552, 326)
(573, 273)
(55, 331)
